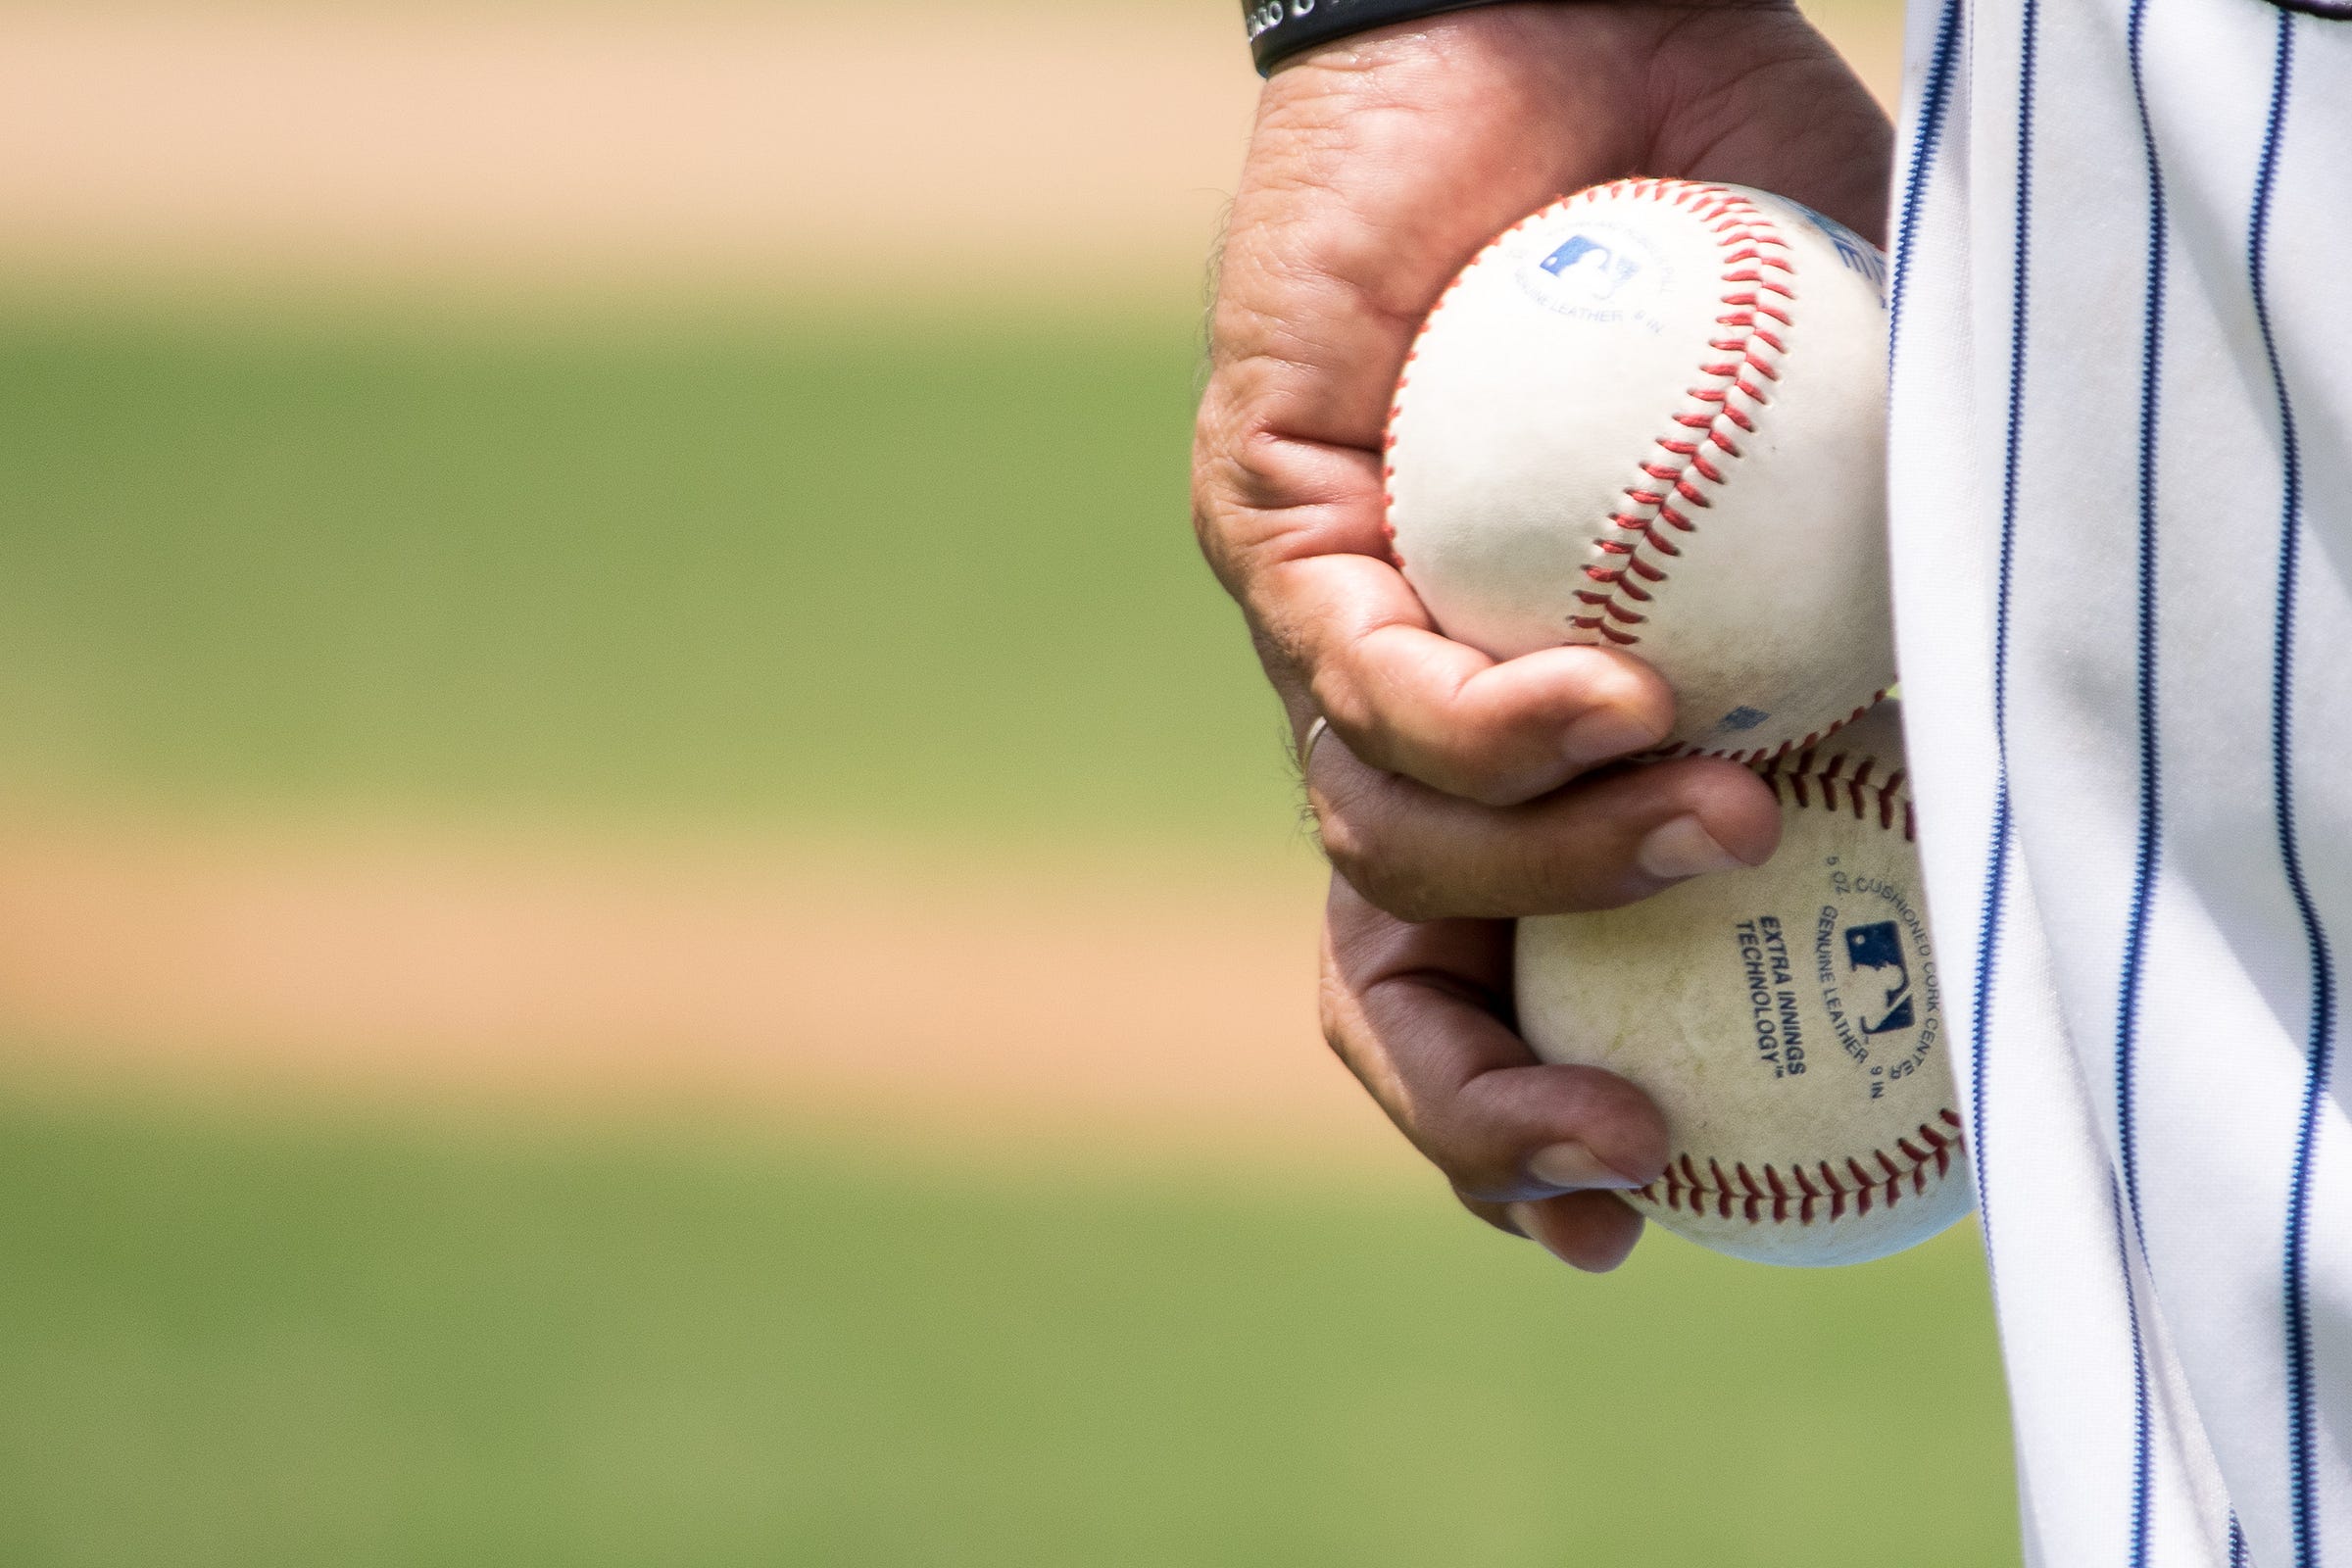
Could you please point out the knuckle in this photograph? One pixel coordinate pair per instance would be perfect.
(1361, 847)
(1351, 851)
(1217, 528)
(1340, 828)
(1243, 495)
(1376, 857)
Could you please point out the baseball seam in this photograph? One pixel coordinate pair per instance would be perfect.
(1746, 354)
(1843, 784)
(1769, 1194)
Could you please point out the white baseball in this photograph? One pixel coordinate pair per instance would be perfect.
(1787, 1021)
(1652, 415)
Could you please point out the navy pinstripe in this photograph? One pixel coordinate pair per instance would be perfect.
(1996, 871)
(1934, 99)
(2151, 797)
(2319, 1040)
(2147, 852)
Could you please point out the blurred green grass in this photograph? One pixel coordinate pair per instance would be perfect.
(909, 574)
(232, 1339)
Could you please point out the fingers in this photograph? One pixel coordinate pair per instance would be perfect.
(1588, 1230)
(1343, 634)
(1417, 1014)
(1422, 855)
(1412, 701)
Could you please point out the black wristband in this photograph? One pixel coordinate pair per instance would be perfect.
(1280, 28)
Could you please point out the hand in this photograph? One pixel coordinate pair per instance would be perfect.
(1418, 1014)
(1449, 785)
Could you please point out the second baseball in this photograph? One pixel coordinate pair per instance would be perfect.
(1787, 1021)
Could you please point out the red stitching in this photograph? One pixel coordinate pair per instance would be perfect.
(1803, 1194)
(1832, 785)
(1763, 756)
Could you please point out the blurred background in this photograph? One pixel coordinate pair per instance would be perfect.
(651, 913)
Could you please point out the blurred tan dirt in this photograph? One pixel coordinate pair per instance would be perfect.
(897, 148)
(1150, 1003)
(531, 149)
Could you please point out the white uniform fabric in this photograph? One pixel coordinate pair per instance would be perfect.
(2122, 468)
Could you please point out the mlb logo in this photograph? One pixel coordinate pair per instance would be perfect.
(1596, 267)
(1879, 946)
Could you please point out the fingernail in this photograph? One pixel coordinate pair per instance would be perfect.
(1604, 734)
(1684, 848)
(1574, 1165)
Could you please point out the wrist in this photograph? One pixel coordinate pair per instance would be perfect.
(1284, 33)
(1279, 31)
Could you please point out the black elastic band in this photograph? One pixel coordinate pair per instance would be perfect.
(1280, 28)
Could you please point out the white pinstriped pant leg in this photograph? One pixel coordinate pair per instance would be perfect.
(2122, 467)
